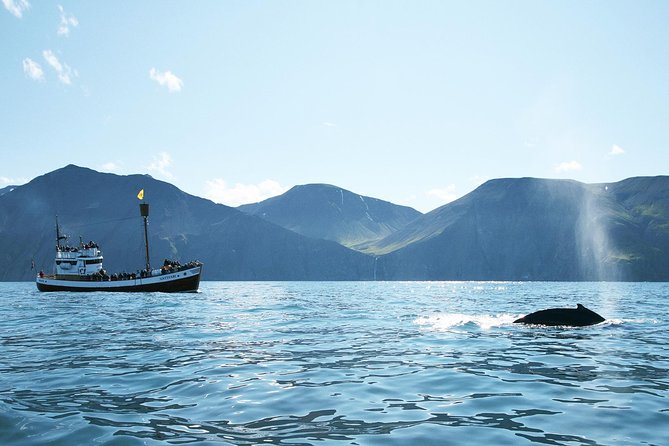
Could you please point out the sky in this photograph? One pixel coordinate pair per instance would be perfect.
(413, 102)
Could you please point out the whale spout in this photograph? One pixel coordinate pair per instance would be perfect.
(570, 317)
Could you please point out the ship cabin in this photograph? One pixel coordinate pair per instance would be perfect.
(77, 263)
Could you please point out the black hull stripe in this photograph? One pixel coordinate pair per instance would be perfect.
(180, 285)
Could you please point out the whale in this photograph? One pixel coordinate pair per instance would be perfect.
(570, 317)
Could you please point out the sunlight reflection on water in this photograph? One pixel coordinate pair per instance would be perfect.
(319, 363)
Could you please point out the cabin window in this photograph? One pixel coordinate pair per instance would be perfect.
(93, 262)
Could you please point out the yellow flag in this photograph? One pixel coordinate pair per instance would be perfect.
(140, 195)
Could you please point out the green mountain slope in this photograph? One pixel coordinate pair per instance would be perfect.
(535, 229)
(328, 212)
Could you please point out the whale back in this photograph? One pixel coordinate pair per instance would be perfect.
(573, 317)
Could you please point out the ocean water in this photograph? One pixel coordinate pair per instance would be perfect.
(363, 363)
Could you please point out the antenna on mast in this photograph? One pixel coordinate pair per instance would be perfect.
(59, 236)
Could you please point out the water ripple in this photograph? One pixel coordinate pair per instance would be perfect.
(319, 363)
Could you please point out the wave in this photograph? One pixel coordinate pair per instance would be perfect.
(449, 321)
(616, 322)
(454, 321)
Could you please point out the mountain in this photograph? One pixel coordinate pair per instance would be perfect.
(537, 229)
(507, 229)
(328, 212)
(103, 207)
(6, 189)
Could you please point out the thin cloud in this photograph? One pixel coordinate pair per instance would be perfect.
(63, 71)
(161, 164)
(218, 191)
(7, 181)
(16, 7)
(616, 150)
(531, 143)
(32, 69)
(111, 167)
(445, 194)
(568, 166)
(166, 79)
(67, 20)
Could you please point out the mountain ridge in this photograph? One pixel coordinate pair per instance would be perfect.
(506, 229)
(332, 213)
(538, 229)
(233, 245)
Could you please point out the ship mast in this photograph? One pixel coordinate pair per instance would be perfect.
(144, 212)
(59, 237)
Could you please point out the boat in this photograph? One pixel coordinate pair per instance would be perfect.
(79, 268)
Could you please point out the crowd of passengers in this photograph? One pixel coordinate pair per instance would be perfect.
(169, 266)
(173, 266)
(88, 245)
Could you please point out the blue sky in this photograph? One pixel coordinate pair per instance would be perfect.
(414, 102)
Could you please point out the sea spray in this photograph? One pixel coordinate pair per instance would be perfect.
(450, 321)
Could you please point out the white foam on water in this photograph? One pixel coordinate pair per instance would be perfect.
(630, 321)
(448, 321)
(455, 321)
